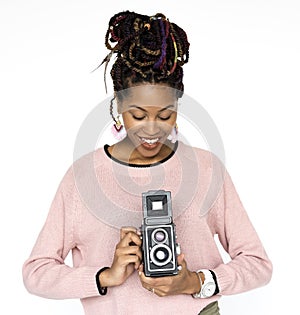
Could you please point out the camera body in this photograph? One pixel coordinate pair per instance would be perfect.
(159, 245)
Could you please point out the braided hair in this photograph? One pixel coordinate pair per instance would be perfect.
(149, 49)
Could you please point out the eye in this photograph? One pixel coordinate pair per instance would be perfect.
(165, 118)
(138, 117)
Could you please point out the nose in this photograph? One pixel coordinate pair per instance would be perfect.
(151, 128)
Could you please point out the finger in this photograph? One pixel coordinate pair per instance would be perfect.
(181, 261)
(148, 281)
(138, 263)
(124, 230)
(141, 269)
(158, 292)
(128, 259)
(147, 284)
(129, 250)
(130, 238)
(124, 255)
(137, 253)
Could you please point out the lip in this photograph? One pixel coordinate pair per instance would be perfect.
(149, 138)
(147, 145)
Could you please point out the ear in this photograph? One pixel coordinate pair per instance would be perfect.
(119, 108)
(119, 104)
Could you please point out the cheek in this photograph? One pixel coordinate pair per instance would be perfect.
(171, 123)
(130, 123)
(168, 126)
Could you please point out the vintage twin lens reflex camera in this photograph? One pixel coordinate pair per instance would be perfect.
(159, 245)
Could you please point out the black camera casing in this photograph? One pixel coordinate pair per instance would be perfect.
(159, 245)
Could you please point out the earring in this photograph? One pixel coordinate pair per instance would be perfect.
(174, 134)
(118, 129)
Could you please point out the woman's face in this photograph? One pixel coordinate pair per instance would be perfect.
(149, 115)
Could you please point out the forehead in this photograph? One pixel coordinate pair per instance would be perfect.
(148, 95)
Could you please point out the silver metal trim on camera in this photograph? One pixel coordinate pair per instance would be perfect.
(158, 234)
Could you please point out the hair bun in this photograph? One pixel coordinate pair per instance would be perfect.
(148, 46)
(149, 34)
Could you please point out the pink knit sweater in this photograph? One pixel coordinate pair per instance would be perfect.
(99, 195)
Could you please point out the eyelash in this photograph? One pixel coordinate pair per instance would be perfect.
(141, 118)
(138, 118)
(165, 118)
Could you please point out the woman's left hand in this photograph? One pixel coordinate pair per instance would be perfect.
(185, 282)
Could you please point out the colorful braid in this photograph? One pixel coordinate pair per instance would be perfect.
(149, 49)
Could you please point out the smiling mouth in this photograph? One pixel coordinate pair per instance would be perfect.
(149, 141)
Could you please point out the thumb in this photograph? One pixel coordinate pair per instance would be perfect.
(180, 259)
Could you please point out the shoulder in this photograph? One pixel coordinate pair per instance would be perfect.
(205, 158)
(82, 170)
(90, 160)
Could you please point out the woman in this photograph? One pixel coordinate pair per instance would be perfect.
(100, 197)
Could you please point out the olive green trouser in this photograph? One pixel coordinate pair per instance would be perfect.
(211, 309)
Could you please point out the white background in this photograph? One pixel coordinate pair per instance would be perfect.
(244, 69)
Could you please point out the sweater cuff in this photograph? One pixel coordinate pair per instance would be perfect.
(217, 290)
(89, 284)
(222, 277)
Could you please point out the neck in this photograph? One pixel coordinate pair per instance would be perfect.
(124, 151)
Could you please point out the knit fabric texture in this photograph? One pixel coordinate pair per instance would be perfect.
(98, 195)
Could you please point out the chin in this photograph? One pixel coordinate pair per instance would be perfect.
(149, 152)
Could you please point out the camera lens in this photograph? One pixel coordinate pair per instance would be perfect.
(159, 236)
(161, 255)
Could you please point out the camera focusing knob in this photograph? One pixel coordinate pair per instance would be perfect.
(178, 249)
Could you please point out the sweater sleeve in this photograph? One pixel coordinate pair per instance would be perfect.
(250, 266)
(44, 272)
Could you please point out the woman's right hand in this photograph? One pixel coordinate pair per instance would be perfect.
(127, 258)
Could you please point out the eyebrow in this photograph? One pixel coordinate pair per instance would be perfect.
(144, 110)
